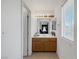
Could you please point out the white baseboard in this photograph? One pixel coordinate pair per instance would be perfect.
(29, 53)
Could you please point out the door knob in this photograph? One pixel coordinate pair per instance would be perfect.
(2, 33)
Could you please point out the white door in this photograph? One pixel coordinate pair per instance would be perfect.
(3, 31)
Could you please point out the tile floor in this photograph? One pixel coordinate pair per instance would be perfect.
(43, 55)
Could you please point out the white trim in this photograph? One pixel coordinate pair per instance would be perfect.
(63, 22)
(21, 32)
(29, 52)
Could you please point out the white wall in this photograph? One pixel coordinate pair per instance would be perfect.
(66, 49)
(13, 23)
(33, 26)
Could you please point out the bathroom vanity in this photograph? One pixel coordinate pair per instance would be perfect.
(44, 44)
(44, 40)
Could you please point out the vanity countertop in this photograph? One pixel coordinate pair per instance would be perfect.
(44, 36)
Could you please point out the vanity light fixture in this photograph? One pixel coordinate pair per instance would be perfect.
(45, 16)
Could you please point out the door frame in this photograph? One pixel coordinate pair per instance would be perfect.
(29, 52)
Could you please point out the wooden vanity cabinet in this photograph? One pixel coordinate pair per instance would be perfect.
(44, 44)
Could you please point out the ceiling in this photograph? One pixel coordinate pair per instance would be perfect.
(43, 4)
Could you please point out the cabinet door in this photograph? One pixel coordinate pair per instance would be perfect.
(44, 44)
(3, 31)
